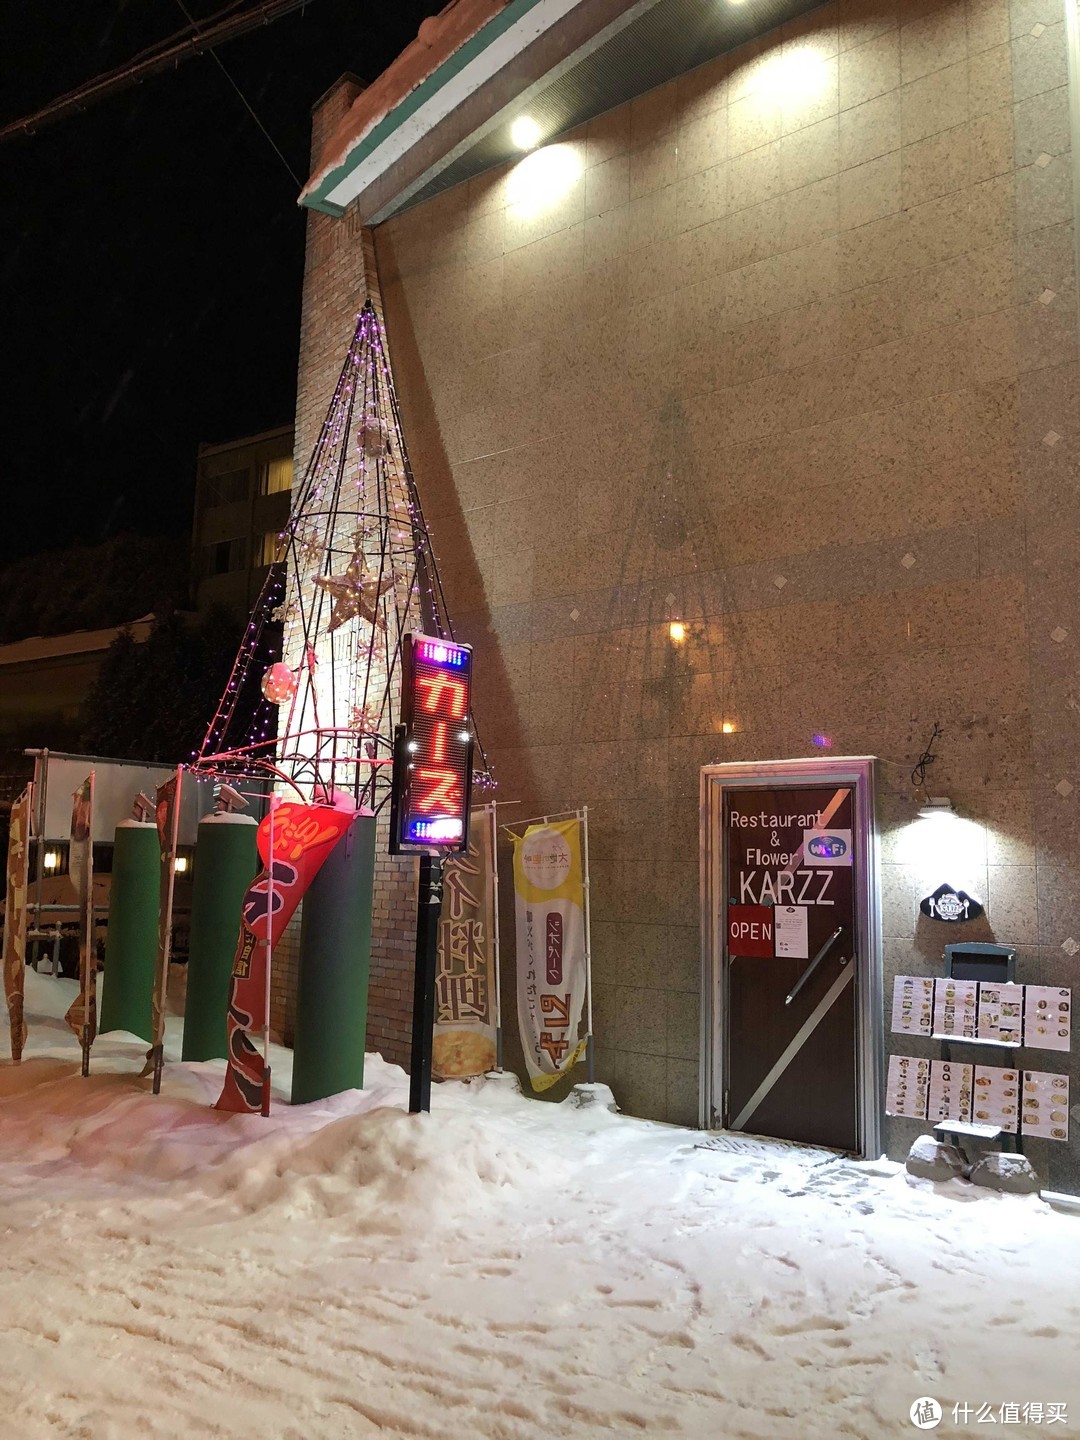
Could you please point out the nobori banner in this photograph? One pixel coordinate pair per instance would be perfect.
(789, 866)
(433, 751)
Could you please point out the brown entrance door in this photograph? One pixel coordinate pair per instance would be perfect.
(789, 963)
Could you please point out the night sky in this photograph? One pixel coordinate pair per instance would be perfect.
(152, 252)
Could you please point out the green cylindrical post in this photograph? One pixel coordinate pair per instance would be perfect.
(225, 865)
(131, 941)
(335, 954)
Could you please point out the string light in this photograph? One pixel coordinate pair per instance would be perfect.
(338, 730)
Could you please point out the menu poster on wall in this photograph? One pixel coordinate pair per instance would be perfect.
(950, 1091)
(955, 1007)
(1046, 1017)
(997, 1097)
(1045, 1104)
(913, 1005)
(906, 1087)
(1000, 1013)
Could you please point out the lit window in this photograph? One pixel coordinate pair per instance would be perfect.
(271, 548)
(275, 476)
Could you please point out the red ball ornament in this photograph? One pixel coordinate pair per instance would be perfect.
(279, 683)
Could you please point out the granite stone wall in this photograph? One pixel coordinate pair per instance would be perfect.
(786, 351)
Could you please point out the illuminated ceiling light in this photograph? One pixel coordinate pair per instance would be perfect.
(51, 860)
(728, 727)
(180, 865)
(935, 805)
(677, 631)
(525, 132)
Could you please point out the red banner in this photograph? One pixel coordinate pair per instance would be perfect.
(303, 836)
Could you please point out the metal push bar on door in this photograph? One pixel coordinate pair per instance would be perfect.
(805, 976)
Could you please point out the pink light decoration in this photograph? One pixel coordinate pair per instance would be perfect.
(279, 683)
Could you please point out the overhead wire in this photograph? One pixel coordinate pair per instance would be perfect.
(196, 37)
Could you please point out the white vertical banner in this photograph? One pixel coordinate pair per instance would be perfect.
(552, 966)
(82, 1013)
(466, 983)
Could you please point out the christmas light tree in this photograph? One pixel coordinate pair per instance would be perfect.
(356, 573)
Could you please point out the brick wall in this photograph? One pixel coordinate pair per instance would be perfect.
(339, 275)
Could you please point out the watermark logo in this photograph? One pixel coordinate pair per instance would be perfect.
(925, 1413)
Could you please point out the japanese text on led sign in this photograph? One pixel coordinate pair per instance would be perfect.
(433, 757)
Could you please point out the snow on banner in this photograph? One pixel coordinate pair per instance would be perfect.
(465, 1020)
(293, 841)
(549, 899)
(82, 1013)
(18, 865)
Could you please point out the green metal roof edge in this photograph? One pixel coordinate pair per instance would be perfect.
(451, 66)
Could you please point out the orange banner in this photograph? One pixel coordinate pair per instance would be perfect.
(293, 841)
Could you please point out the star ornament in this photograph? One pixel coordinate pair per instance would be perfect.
(354, 595)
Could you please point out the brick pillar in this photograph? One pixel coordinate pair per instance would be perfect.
(339, 273)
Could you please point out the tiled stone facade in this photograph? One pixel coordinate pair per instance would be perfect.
(785, 350)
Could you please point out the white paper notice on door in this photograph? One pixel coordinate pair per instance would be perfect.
(791, 931)
(1046, 1017)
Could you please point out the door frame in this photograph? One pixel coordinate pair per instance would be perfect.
(716, 781)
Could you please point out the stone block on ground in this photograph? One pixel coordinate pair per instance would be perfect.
(929, 1159)
(1011, 1173)
(583, 1097)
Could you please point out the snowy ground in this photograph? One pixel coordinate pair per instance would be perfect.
(499, 1269)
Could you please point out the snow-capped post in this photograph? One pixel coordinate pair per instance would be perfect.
(590, 1060)
(131, 936)
(429, 809)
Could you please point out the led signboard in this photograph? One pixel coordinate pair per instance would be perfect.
(433, 752)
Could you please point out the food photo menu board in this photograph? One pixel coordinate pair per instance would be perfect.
(1045, 1101)
(997, 1098)
(906, 1087)
(950, 1091)
(1046, 1017)
(940, 1090)
(1037, 1016)
(913, 1005)
(956, 1007)
(1001, 1013)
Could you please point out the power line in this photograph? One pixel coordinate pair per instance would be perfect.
(194, 39)
(243, 99)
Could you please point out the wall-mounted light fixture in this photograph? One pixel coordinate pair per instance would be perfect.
(935, 805)
(525, 132)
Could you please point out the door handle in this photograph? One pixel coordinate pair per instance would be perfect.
(805, 976)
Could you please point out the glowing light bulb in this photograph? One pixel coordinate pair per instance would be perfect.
(525, 132)
(677, 631)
